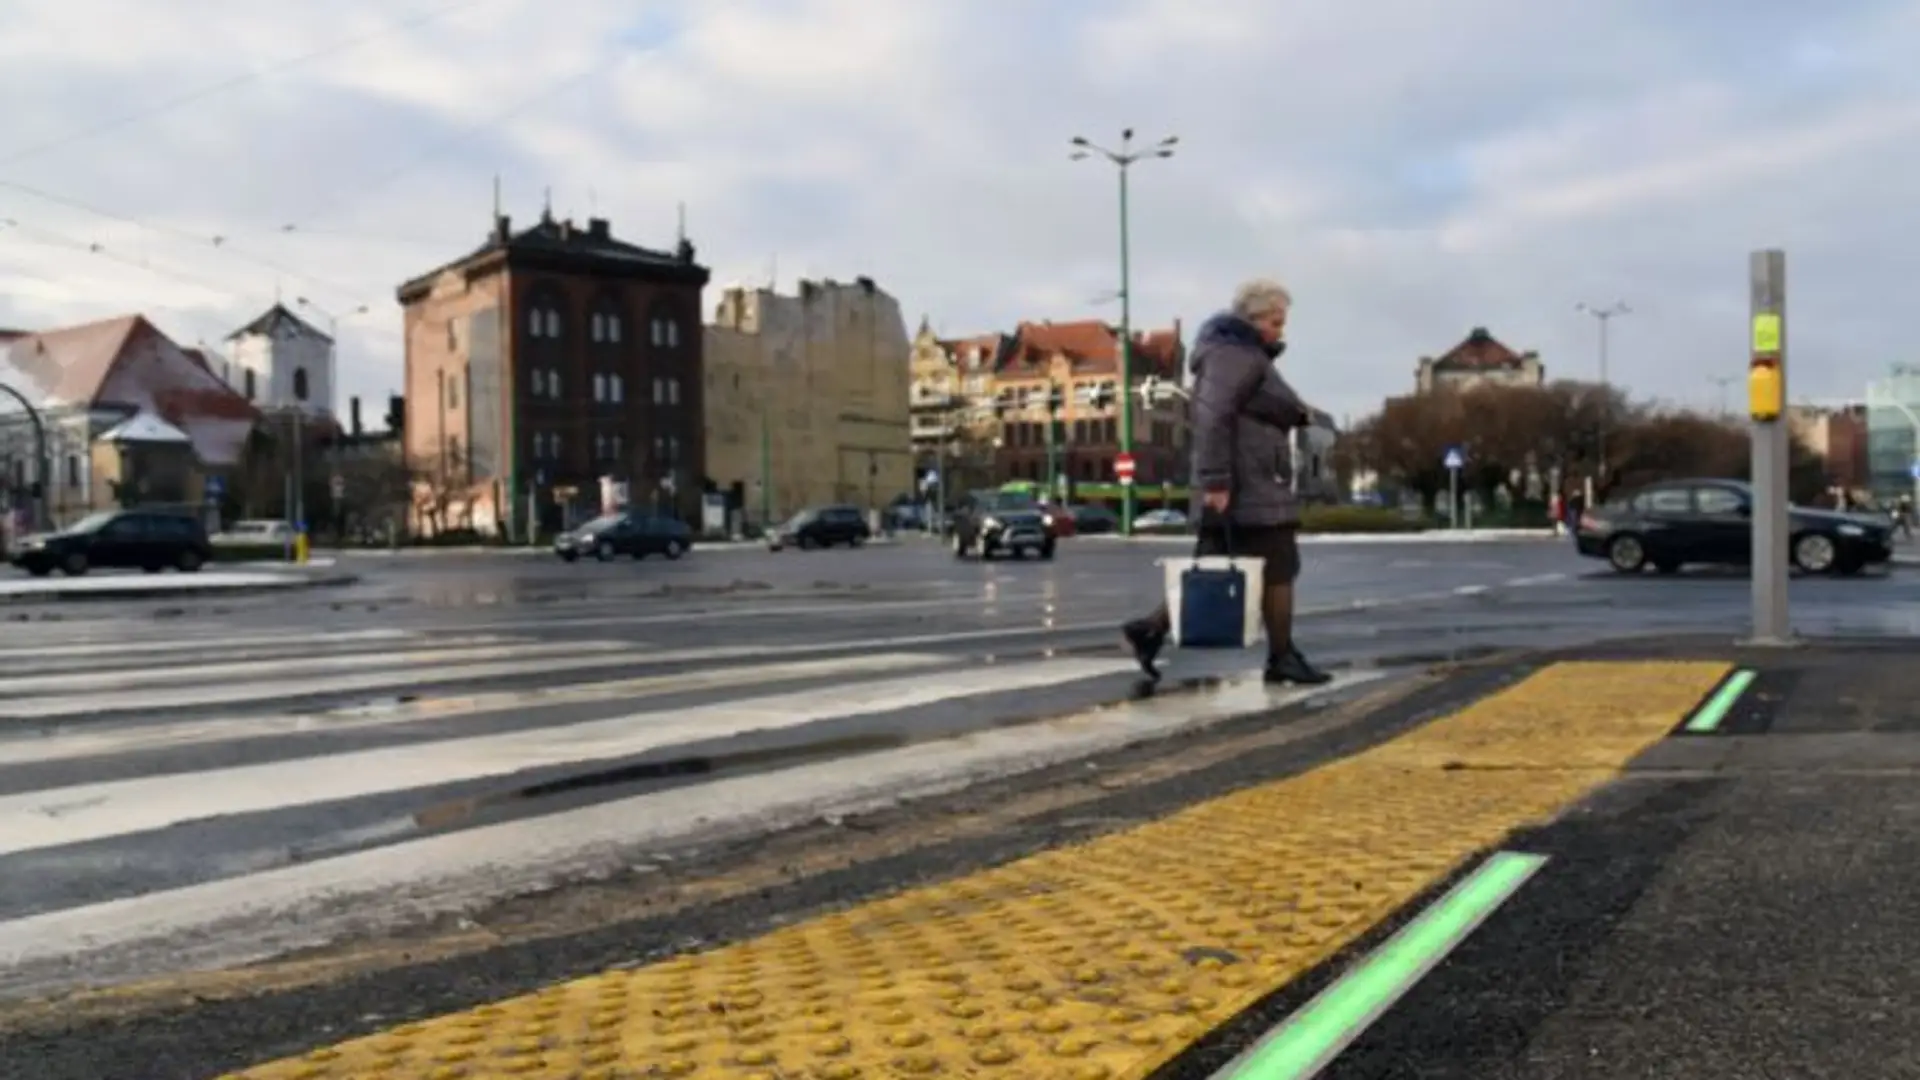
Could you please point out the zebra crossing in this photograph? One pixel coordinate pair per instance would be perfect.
(155, 787)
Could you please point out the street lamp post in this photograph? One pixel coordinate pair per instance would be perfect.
(1604, 316)
(1123, 160)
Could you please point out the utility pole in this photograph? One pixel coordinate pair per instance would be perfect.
(1123, 160)
(1766, 401)
(766, 474)
(1604, 316)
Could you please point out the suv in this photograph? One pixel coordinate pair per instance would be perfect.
(822, 527)
(990, 522)
(149, 540)
(626, 532)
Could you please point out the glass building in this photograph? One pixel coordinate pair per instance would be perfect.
(1893, 422)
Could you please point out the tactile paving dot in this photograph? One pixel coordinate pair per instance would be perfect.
(1100, 961)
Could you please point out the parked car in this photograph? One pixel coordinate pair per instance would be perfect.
(255, 534)
(1676, 522)
(149, 540)
(626, 532)
(988, 523)
(822, 526)
(1164, 521)
(1092, 520)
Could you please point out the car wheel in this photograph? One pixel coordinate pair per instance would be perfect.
(39, 569)
(1627, 554)
(74, 565)
(569, 556)
(189, 562)
(856, 541)
(1813, 553)
(806, 543)
(1046, 551)
(674, 549)
(603, 551)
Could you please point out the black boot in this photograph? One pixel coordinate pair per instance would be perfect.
(1145, 639)
(1292, 667)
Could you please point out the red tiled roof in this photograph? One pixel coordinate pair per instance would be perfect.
(1480, 351)
(1093, 341)
(126, 362)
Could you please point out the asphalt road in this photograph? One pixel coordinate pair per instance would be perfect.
(151, 749)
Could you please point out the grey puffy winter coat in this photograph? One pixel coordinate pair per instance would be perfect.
(1242, 411)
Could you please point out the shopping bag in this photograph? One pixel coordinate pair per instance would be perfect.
(1214, 601)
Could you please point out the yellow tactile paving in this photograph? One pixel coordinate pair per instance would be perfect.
(1099, 961)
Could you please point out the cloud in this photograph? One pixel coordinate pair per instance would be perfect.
(1412, 169)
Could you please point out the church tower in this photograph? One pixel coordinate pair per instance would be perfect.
(280, 361)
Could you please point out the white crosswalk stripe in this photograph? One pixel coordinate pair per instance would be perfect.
(135, 770)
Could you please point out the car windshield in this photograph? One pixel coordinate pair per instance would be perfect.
(604, 521)
(92, 522)
(801, 518)
(1006, 500)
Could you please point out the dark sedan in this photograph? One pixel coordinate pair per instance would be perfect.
(627, 532)
(1676, 522)
(149, 540)
(822, 527)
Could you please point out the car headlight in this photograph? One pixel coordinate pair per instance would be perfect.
(1047, 520)
(989, 522)
(1851, 530)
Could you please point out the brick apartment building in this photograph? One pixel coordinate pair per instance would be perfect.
(546, 360)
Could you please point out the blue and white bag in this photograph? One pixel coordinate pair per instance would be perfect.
(1215, 599)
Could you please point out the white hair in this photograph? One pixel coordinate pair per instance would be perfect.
(1261, 296)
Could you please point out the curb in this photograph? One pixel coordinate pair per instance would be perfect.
(712, 547)
(176, 592)
(1432, 536)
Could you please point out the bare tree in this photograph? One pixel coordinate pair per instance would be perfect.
(437, 483)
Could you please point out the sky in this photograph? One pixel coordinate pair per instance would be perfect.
(1410, 169)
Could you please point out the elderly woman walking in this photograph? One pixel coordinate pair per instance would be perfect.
(1242, 413)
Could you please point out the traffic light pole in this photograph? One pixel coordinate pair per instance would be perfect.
(1054, 404)
(1766, 404)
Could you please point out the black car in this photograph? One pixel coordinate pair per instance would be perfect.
(988, 523)
(626, 532)
(820, 527)
(1676, 522)
(150, 540)
(1093, 520)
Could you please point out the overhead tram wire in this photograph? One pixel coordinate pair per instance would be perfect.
(167, 105)
(50, 238)
(217, 242)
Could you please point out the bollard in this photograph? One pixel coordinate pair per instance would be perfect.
(300, 547)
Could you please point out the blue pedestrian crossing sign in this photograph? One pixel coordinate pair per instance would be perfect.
(1454, 459)
(216, 487)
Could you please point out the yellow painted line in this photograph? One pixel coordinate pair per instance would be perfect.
(1100, 961)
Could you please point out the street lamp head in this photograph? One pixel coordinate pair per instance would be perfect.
(1170, 140)
(1163, 152)
(1127, 135)
(1079, 140)
(1078, 155)
(303, 301)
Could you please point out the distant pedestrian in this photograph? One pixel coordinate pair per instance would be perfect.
(1244, 502)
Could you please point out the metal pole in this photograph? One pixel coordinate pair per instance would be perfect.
(1453, 498)
(766, 473)
(1604, 316)
(1127, 504)
(1767, 279)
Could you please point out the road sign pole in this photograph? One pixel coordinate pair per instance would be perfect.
(1767, 396)
(1453, 498)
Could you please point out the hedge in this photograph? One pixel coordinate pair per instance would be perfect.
(1359, 519)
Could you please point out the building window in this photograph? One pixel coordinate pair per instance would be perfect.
(673, 334)
(250, 384)
(453, 392)
(553, 383)
(73, 470)
(619, 447)
(659, 450)
(599, 448)
(539, 377)
(673, 450)
(453, 450)
(534, 323)
(659, 330)
(659, 390)
(300, 384)
(599, 386)
(673, 391)
(453, 337)
(599, 324)
(613, 329)
(553, 323)
(616, 388)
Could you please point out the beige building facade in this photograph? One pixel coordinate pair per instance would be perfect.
(807, 398)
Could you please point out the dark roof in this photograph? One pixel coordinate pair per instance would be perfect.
(1481, 351)
(561, 245)
(276, 318)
